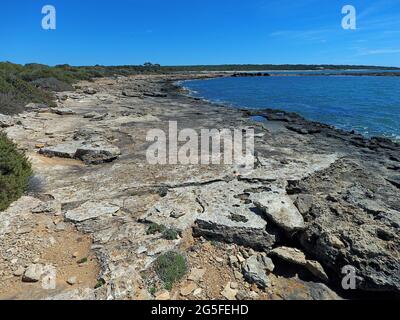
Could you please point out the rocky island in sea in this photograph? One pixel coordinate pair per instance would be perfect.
(318, 214)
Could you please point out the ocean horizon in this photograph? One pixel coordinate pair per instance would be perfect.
(368, 105)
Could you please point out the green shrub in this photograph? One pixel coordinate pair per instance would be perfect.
(170, 267)
(154, 228)
(99, 283)
(170, 234)
(15, 171)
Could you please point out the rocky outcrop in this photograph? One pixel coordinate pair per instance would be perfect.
(230, 218)
(88, 146)
(332, 195)
(357, 225)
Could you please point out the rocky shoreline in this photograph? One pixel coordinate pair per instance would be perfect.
(319, 199)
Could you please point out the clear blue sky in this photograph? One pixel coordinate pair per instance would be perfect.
(179, 32)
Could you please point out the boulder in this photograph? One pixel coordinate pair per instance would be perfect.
(254, 270)
(33, 273)
(303, 203)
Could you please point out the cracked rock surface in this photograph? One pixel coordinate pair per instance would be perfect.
(329, 196)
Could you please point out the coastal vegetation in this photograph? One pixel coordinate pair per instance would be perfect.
(170, 267)
(21, 84)
(15, 171)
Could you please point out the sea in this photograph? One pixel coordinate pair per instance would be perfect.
(369, 105)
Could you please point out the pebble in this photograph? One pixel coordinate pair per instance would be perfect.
(71, 281)
(33, 273)
(228, 292)
(162, 295)
(197, 292)
(196, 274)
(234, 285)
(188, 289)
(19, 272)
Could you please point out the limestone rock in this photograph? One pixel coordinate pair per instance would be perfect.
(227, 218)
(162, 295)
(247, 295)
(89, 90)
(33, 273)
(196, 274)
(280, 209)
(6, 121)
(91, 153)
(291, 255)
(90, 210)
(71, 281)
(19, 271)
(63, 150)
(296, 256)
(303, 203)
(97, 153)
(62, 111)
(254, 270)
(317, 270)
(50, 207)
(188, 289)
(229, 293)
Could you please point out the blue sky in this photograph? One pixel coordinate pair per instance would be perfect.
(181, 32)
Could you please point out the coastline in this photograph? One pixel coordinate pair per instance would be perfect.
(325, 177)
(258, 111)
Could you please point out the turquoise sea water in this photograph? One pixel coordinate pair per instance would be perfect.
(369, 105)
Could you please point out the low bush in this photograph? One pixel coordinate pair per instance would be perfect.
(15, 171)
(154, 228)
(170, 234)
(170, 267)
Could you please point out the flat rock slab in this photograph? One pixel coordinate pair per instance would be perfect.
(228, 218)
(178, 209)
(296, 256)
(91, 153)
(279, 208)
(272, 169)
(97, 154)
(63, 111)
(90, 210)
(292, 255)
(63, 150)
